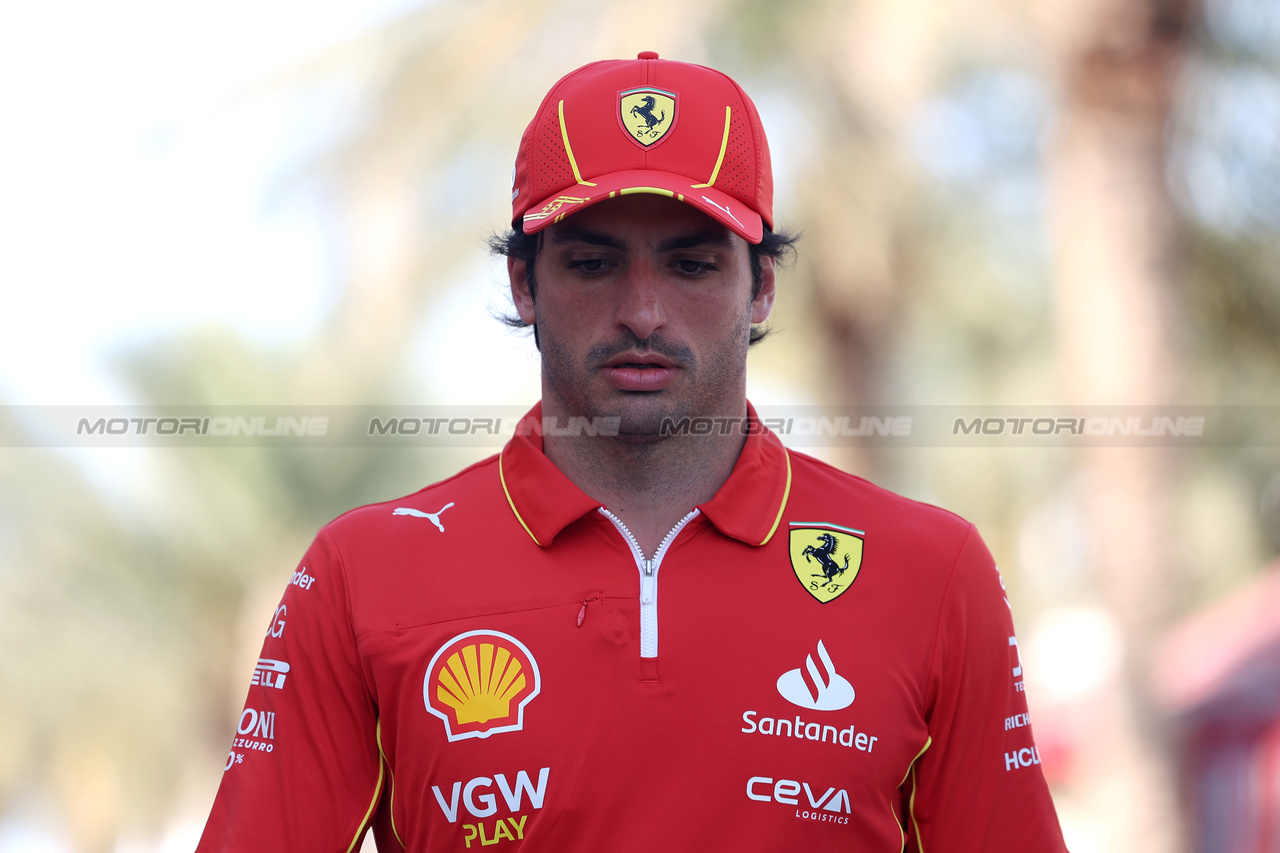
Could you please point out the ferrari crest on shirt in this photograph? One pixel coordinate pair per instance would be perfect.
(647, 114)
(825, 557)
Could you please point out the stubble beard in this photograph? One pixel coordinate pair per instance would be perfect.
(700, 391)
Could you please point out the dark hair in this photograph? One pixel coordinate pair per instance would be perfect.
(519, 246)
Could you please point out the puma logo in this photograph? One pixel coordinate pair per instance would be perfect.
(726, 210)
(433, 517)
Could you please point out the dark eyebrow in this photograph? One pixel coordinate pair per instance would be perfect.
(706, 237)
(573, 234)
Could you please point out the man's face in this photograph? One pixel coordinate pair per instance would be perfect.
(644, 310)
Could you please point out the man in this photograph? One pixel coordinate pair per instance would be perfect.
(491, 661)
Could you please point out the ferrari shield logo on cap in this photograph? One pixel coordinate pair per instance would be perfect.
(825, 557)
(647, 114)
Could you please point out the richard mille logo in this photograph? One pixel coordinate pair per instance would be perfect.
(433, 517)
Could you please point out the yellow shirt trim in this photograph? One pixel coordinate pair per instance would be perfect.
(391, 810)
(373, 803)
(786, 493)
(911, 802)
(502, 478)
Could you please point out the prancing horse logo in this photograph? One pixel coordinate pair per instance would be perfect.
(647, 114)
(825, 557)
(645, 111)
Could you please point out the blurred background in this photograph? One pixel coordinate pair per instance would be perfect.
(1004, 202)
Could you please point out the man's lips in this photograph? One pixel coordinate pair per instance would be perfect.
(640, 372)
(638, 359)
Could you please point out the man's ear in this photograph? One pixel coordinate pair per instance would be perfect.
(518, 273)
(762, 304)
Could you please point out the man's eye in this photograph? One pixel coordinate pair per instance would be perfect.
(588, 265)
(695, 268)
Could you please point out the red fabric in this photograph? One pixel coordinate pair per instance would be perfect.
(600, 749)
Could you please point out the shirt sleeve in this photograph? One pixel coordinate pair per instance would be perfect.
(978, 784)
(304, 772)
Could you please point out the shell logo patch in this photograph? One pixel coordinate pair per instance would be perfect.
(647, 114)
(825, 557)
(479, 683)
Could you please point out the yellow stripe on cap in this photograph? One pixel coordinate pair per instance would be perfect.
(654, 190)
(573, 164)
(724, 146)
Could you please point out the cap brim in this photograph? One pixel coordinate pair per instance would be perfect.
(723, 208)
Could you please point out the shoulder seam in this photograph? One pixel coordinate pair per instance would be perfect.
(946, 594)
(449, 479)
(346, 597)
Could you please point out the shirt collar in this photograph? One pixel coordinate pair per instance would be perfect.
(748, 507)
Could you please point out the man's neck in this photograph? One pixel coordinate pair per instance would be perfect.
(649, 485)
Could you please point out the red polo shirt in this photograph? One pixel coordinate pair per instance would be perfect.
(807, 662)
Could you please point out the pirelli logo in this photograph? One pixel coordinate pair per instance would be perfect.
(270, 673)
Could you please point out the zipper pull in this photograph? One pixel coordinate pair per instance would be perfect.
(582, 613)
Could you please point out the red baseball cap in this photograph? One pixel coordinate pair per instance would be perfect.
(645, 125)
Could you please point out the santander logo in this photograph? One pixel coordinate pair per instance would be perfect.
(818, 691)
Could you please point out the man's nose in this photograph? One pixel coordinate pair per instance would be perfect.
(640, 303)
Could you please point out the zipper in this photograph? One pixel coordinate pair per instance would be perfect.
(649, 578)
(582, 614)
